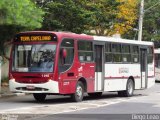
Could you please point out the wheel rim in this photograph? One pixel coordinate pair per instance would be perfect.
(130, 87)
(79, 92)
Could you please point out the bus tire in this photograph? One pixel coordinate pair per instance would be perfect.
(39, 97)
(129, 89)
(79, 93)
(95, 95)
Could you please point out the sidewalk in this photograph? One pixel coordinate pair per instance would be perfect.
(5, 92)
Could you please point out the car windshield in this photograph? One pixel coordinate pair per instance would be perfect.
(33, 58)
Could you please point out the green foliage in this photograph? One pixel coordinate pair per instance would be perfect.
(15, 16)
(79, 16)
(22, 13)
(126, 16)
(66, 15)
(151, 24)
(100, 17)
(103, 17)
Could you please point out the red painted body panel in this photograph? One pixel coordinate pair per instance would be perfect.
(32, 77)
(79, 70)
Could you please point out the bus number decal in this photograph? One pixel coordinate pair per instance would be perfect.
(45, 75)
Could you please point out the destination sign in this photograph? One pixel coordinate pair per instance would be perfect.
(35, 38)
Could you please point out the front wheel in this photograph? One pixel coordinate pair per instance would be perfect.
(78, 95)
(39, 97)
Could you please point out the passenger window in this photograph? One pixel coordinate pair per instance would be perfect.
(116, 50)
(126, 56)
(108, 53)
(66, 55)
(150, 55)
(85, 51)
(135, 54)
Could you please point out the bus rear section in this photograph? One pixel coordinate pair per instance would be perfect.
(123, 65)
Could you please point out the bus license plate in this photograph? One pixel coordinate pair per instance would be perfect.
(30, 87)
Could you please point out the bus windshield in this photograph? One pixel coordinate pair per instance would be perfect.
(33, 58)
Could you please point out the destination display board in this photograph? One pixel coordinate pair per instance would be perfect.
(35, 38)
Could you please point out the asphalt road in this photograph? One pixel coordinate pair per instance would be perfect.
(109, 106)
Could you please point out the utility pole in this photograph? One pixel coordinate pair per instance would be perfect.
(141, 21)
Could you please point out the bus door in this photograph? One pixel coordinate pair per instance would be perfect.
(143, 64)
(99, 61)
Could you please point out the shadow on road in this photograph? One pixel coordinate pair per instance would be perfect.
(158, 82)
(54, 99)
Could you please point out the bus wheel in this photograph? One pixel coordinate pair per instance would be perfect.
(98, 94)
(129, 89)
(39, 97)
(78, 95)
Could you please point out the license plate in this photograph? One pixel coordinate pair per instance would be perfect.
(30, 87)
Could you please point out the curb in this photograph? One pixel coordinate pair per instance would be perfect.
(12, 95)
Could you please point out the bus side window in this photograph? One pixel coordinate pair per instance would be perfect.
(135, 54)
(126, 56)
(150, 55)
(108, 53)
(66, 55)
(85, 51)
(158, 60)
(116, 50)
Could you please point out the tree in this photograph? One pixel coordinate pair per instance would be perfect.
(15, 16)
(127, 14)
(104, 17)
(79, 16)
(151, 21)
(65, 15)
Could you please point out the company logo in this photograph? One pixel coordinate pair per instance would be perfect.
(123, 70)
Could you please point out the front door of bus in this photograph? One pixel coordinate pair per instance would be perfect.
(143, 61)
(98, 50)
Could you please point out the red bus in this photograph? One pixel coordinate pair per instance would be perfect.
(51, 63)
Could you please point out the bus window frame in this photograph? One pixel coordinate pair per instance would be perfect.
(74, 54)
(114, 53)
(150, 54)
(85, 51)
(131, 53)
(32, 43)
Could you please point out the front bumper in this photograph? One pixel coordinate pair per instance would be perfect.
(48, 87)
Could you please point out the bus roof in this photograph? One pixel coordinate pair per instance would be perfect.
(88, 37)
(60, 34)
(120, 40)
